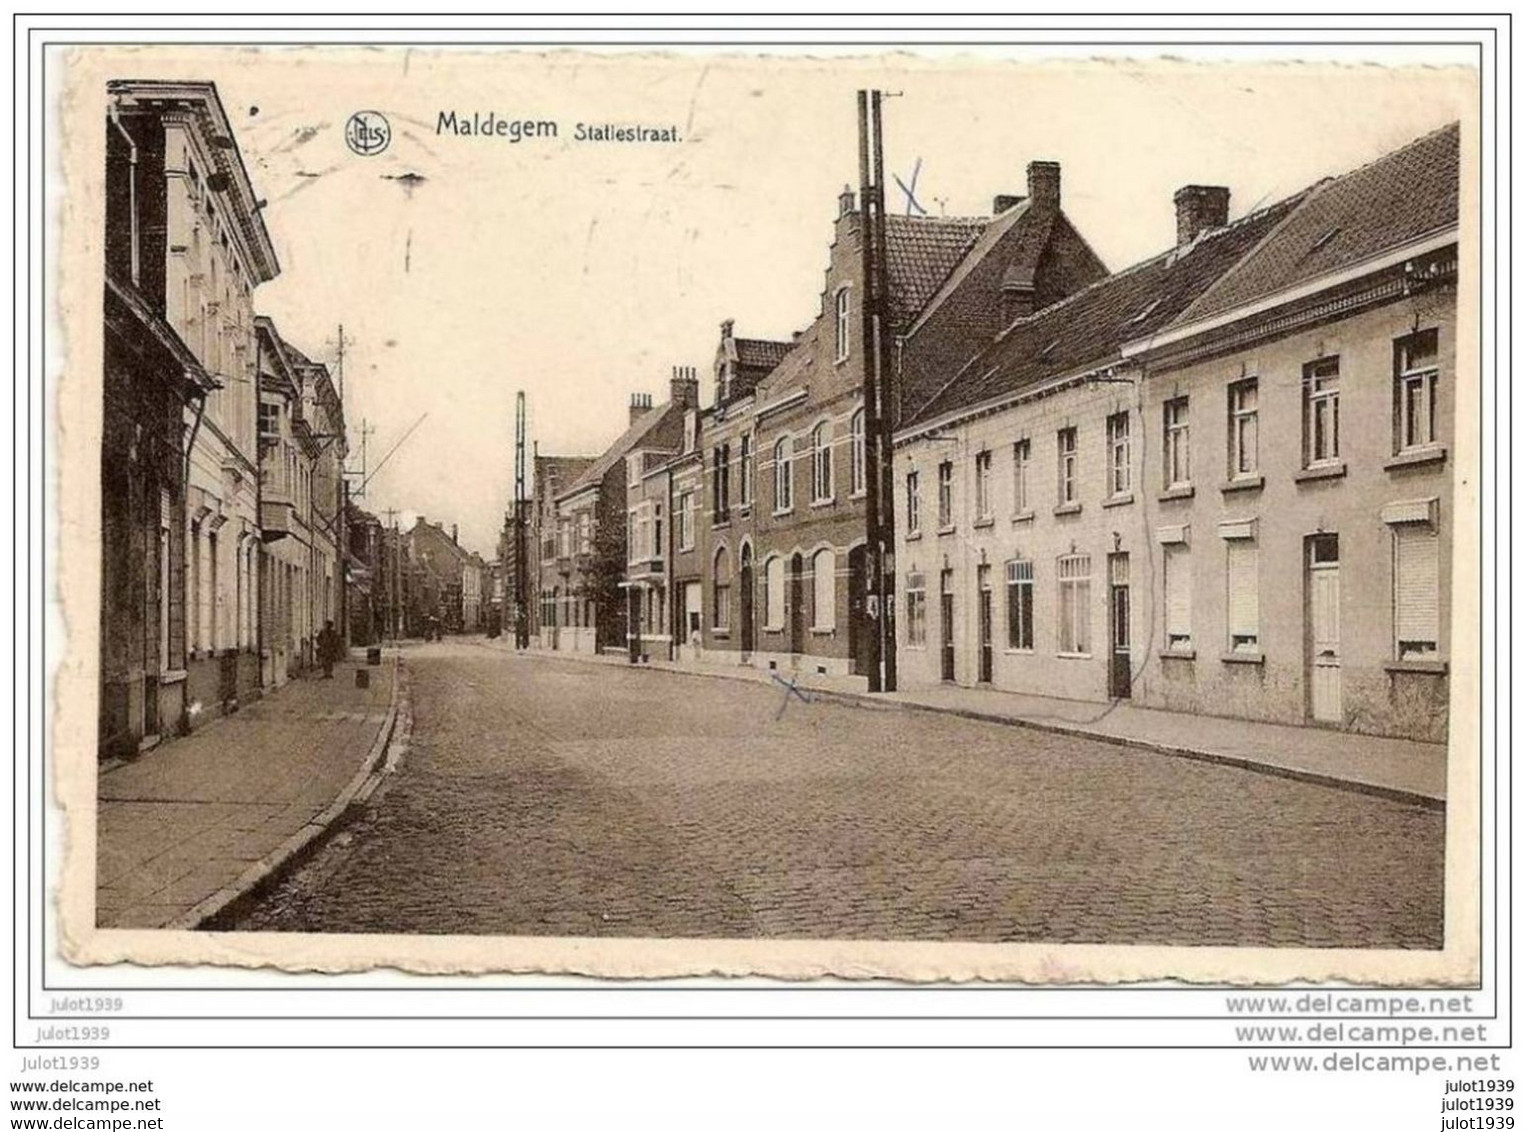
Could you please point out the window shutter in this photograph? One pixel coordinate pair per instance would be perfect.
(1243, 589)
(1177, 591)
(1416, 583)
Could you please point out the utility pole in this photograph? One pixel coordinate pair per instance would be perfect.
(392, 579)
(521, 570)
(879, 505)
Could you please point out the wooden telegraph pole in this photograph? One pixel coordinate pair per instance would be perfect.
(521, 567)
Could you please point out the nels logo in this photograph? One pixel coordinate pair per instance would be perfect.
(368, 132)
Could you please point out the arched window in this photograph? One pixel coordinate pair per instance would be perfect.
(859, 454)
(824, 567)
(783, 474)
(773, 576)
(820, 464)
(844, 322)
(722, 610)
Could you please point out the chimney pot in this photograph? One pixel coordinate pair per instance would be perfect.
(1199, 208)
(685, 386)
(1043, 183)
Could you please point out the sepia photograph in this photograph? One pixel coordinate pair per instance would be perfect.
(862, 504)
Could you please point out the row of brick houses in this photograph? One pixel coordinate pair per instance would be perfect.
(222, 448)
(1136, 485)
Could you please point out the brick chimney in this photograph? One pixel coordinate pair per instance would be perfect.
(685, 386)
(1043, 183)
(1005, 203)
(640, 405)
(455, 533)
(1198, 209)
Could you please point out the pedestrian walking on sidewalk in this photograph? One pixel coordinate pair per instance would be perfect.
(328, 649)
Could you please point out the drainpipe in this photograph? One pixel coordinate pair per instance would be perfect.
(259, 528)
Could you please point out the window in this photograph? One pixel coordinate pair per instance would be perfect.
(982, 486)
(585, 533)
(1243, 428)
(945, 496)
(844, 322)
(656, 530)
(773, 573)
(783, 474)
(913, 503)
(1321, 412)
(1177, 443)
(1075, 605)
(1416, 591)
(1119, 455)
(859, 454)
(686, 521)
(269, 421)
(916, 610)
(748, 458)
(1069, 487)
(722, 482)
(1177, 598)
(1019, 605)
(637, 538)
(1021, 452)
(820, 463)
(1243, 595)
(722, 610)
(1414, 390)
(824, 566)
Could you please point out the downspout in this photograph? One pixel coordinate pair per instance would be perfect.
(259, 520)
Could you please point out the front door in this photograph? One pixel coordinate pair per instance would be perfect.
(1324, 628)
(987, 645)
(947, 620)
(858, 625)
(693, 615)
(1120, 675)
(748, 627)
(633, 618)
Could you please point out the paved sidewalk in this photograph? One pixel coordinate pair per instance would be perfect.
(191, 820)
(1399, 768)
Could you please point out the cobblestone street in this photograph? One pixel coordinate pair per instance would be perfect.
(548, 797)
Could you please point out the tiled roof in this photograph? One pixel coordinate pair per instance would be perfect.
(1397, 198)
(1088, 328)
(760, 353)
(647, 426)
(922, 252)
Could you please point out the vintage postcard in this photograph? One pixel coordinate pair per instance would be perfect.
(650, 514)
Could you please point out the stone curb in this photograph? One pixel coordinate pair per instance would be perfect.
(1199, 754)
(222, 906)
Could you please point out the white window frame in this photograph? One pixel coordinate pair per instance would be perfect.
(913, 503)
(824, 589)
(686, 521)
(1074, 628)
(1423, 378)
(1244, 428)
(820, 463)
(1321, 412)
(1177, 442)
(945, 517)
(1068, 442)
(1404, 643)
(1019, 629)
(844, 322)
(916, 610)
(859, 458)
(982, 505)
(1176, 572)
(783, 475)
(1021, 461)
(1243, 635)
(720, 602)
(1119, 454)
(748, 459)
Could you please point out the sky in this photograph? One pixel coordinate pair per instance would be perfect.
(464, 269)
